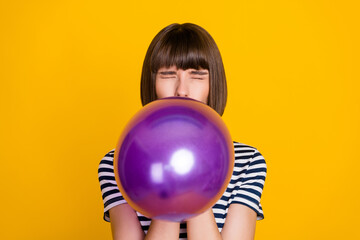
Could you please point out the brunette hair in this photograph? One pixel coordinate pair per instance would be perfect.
(185, 46)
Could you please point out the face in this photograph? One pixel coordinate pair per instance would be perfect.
(192, 83)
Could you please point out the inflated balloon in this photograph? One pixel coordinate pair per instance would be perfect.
(174, 159)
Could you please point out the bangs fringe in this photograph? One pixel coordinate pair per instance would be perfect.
(182, 51)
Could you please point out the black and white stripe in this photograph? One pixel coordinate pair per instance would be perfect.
(245, 187)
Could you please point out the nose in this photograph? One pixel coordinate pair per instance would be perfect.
(182, 89)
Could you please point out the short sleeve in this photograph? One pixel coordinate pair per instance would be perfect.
(110, 192)
(249, 187)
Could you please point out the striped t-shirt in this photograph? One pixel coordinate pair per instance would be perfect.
(245, 187)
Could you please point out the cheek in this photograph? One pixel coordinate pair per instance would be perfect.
(201, 92)
(162, 89)
(158, 89)
(205, 91)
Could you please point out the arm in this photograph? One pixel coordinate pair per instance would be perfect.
(239, 224)
(125, 225)
(203, 226)
(163, 230)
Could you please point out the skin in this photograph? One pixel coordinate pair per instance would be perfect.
(190, 83)
(240, 221)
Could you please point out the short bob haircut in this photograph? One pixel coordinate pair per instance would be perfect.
(185, 46)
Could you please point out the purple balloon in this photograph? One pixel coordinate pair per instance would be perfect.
(174, 159)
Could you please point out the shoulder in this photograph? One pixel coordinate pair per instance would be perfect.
(247, 182)
(109, 155)
(246, 152)
(106, 167)
(109, 189)
(107, 161)
(243, 148)
(249, 163)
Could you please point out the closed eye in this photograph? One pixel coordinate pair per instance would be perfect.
(167, 74)
(199, 74)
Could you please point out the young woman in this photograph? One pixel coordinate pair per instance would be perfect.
(184, 60)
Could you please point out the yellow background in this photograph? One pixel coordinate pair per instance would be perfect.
(70, 75)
